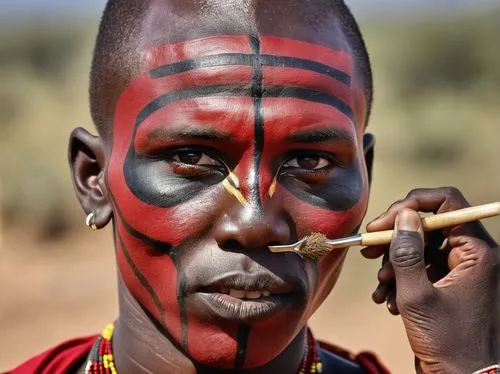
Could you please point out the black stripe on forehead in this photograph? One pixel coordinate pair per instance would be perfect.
(257, 92)
(230, 90)
(228, 59)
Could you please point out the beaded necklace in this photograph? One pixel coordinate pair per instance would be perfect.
(311, 363)
(101, 360)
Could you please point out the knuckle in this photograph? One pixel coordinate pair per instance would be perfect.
(467, 245)
(414, 193)
(407, 250)
(396, 204)
(453, 193)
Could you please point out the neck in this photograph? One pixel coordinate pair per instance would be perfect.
(140, 347)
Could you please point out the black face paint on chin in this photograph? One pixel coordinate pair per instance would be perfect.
(242, 341)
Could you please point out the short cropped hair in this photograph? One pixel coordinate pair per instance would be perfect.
(115, 61)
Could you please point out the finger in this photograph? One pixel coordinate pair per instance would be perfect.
(386, 272)
(392, 306)
(436, 200)
(418, 367)
(407, 257)
(374, 252)
(379, 296)
(436, 255)
(472, 229)
(468, 252)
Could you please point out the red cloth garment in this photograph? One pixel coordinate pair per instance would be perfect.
(64, 358)
(70, 355)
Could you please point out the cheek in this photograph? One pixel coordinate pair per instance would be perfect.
(159, 224)
(151, 279)
(334, 224)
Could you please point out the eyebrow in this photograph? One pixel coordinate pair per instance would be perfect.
(322, 134)
(188, 133)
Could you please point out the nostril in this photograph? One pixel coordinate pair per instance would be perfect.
(232, 245)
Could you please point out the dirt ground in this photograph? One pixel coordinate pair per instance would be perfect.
(67, 289)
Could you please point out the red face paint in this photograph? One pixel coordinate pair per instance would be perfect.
(250, 110)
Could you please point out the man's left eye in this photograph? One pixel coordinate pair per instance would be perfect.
(195, 158)
(307, 162)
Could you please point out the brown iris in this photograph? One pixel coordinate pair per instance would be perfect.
(190, 158)
(308, 162)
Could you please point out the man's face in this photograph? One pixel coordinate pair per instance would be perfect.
(221, 147)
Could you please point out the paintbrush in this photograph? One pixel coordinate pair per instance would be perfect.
(316, 245)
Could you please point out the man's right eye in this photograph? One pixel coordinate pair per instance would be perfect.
(195, 158)
(194, 163)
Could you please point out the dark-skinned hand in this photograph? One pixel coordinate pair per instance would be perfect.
(442, 283)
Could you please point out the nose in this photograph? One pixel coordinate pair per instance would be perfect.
(249, 229)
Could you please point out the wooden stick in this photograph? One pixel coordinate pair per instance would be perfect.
(437, 222)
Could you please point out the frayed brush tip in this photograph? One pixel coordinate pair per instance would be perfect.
(315, 246)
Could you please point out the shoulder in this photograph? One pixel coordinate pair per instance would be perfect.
(336, 359)
(62, 358)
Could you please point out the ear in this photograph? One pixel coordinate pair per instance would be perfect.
(369, 149)
(87, 162)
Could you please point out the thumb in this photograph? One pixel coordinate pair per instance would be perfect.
(406, 254)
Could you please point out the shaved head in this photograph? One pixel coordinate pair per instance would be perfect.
(129, 27)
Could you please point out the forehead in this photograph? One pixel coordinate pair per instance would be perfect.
(192, 77)
(313, 21)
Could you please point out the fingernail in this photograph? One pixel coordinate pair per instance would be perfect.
(408, 220)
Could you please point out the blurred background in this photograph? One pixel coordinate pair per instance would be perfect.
(436, 113)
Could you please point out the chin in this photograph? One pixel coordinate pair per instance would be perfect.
(236, 334)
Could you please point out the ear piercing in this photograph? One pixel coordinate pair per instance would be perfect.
(90, 221)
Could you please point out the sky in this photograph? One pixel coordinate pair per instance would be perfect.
(12, 11)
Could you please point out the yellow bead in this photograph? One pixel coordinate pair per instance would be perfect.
(319, 367)
(107, 333)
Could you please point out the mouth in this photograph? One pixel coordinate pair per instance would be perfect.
(245, 297)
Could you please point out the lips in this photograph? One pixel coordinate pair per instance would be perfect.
(244, 297)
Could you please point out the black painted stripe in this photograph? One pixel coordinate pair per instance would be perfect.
(241, 91)
(189, 93)
(309, 95)
(144, 282)
(256, 92)
(181, 300)
(163, 248)
(228, 59)
(242, 343)
(160, 246)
